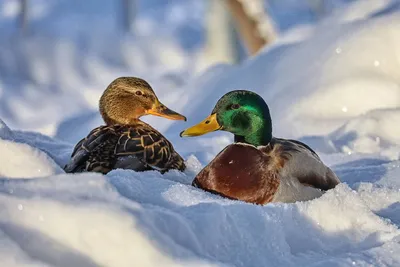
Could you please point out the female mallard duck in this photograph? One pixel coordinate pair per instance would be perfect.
(125, 141)
(258, 168)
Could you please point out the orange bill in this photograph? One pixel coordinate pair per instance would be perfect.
(162, 111)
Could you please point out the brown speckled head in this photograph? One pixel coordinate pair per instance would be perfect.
(240, 172)
(126, 99)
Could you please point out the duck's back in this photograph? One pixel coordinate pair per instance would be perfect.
(118, 146)
(303, 175)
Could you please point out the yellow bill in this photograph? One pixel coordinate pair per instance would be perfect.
(209, 124)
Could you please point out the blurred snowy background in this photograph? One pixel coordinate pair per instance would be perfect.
(57, 57)
(330, 72)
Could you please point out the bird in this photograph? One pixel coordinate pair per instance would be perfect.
(125, 141)
(258, 168)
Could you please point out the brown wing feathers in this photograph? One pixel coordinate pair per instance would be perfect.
(145, 147)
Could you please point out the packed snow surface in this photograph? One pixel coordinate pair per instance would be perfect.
(333, 84)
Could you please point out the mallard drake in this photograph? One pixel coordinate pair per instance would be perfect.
(125, 141)
(257, 167)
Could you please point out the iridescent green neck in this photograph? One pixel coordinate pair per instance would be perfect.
(260, 135)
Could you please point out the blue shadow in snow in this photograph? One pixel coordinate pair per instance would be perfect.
(362, 170)
(32, 243)
(392, 213)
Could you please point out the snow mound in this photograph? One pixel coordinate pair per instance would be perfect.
(23, 161)
(375, 132)
(19, 160)
(86, 243)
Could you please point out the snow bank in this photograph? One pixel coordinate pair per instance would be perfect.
(80, 239)
(23, 161)
(19, 160)
(151, 220)
(374, 132)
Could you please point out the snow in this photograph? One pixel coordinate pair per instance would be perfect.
(21, 160)
(372, 132)
(91, 219)
(73, 50)
(5, 132)
(319, 105)
(333, 84)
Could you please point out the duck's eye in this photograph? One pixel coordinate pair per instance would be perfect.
(235, 106)
(138, 93)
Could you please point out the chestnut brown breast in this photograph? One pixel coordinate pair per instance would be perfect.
(240, 172)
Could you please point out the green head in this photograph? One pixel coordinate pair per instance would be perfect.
(241, 112)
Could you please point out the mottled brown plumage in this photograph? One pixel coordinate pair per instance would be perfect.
(125, 141)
